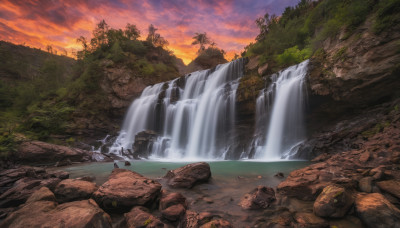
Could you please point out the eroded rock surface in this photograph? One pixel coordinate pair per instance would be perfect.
(188, 175)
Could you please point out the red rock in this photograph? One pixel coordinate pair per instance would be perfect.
(79, 214)
(365, 184)
(309, 220)
(170, 199)
(218, 223)
(140, 217)
(173, 213)
(126, 189)
(43, 194)
(259, 198)
(72, 190)
(333, 202)
(188, 175)
(390, 186)
(376, 211)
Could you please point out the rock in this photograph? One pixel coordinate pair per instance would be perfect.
(50, 183)
(262, 69)
(126, 189)
(365, 184)
(321, 157)
(170, 199)
(376, 211)
(279, 175)
(188, 175)
(260, 198)
(59, 174)
(99, 157)
(174, 212)
(333, 202)
(309, 220)
(190, 220)
(83, 213)
(140, 217)
(127, 163)
(253, 62)
(208, 200)
(87, 178)
(63, 162)
(43, 194)
(73, 190)
(390, 186)
(143, 143)
(37, 152)
(364, 157)
(19, 193)
(218, 223)
(116, 165)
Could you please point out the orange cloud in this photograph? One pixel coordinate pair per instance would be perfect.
(229, 23)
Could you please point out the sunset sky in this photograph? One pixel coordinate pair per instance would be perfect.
(229, 23)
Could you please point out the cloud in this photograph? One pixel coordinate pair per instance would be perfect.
(230, 23)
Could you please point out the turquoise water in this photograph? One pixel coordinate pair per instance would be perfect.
(221, 170)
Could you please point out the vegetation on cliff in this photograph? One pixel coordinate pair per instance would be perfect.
(301, 30)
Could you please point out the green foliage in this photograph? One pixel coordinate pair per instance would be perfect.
(7, 144)
(375, 130)
(387, 15)
(147, 222)
(340, 55)
(116, 53)
(310, 23)
(293, 56)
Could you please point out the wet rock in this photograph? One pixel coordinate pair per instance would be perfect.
(72, 190)
(140, 217)
(174, 212)
(143, 142)
(59, 174)
(87, 178)
(260, 198)
(279, 175)
(19, 193)
(126, 189)
(37, 152)
(63, 162)
(365, 184)
(170, 199)
(188, 175)
(218, 223)
(99, 157)
(116, 165)
(127, 163)
(376, 211)
(309, 220)
(43, 194)
(321, 157)
(190, 220)
(333, 202)
(83, 213)
(365, 157)
(390, 186)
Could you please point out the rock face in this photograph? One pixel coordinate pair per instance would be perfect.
(259, 198)
(333, 202)
(126, 189)
(140, 217)
(376, 211)
(72, 190)
(143, 142)
(83, 213)
(43, 194)
(390, 186)
(188, 175)
(36, 152)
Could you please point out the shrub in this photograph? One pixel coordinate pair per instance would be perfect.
(293, 56)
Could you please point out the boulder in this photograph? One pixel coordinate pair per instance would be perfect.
(43, 194)
(365, 184)
(126, 189)
(140, 217)
(37, 152)
(170, 199)
(83, 214)
(72, 190)
(376, 211)
(20, 192)
(188, 175)
(390, 186)
(333, 202)
(260, 198)
(309, 220)
(174, 212)
(143, 142)
(217, 223)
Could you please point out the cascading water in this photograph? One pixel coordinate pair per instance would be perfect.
(189, 118)
(284, 103)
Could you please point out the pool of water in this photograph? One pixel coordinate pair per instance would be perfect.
(230, 181)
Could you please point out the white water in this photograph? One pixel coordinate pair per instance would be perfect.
(284, 103)
(189, 117)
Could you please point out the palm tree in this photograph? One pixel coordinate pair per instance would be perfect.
(202, 40)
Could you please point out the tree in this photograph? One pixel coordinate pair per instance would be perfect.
(49, 49)
(202, 40)
(155, 38)
(100, 34)
(83, 42)
(264, 24)
(131, 32)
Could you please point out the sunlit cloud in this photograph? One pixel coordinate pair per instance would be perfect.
(229, 23)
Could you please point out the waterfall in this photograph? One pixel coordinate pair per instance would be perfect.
(284, 102)
(194, 116)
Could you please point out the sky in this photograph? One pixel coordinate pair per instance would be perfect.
(229, 23)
